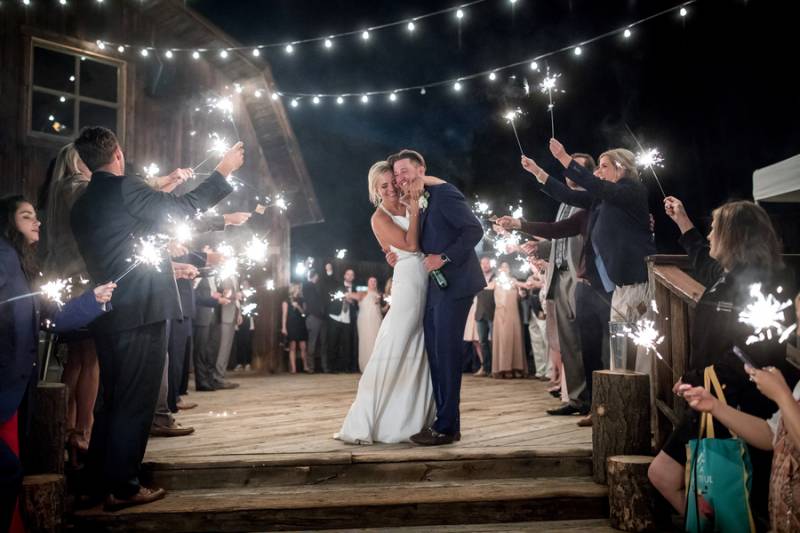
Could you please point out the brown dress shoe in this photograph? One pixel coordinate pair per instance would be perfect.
(142, 497)
(585, 422)
(174, 430)
(431, 437)
(183, 405)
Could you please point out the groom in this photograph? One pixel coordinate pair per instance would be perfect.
(449, 233)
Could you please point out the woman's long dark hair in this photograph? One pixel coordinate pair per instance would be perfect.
(8, 230)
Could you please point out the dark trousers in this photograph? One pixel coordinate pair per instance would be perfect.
(10, 471)
(340, 347)
(444, 334)
(244, 345)
(593, 310)
(180, 343)
(317, 331)
(484, 331)
(131, 368)
(205, 356)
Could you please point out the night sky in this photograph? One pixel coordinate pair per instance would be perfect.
(716, 92)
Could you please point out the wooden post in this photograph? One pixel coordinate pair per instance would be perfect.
(631, 497)
(44, 446)
(620, 417)
(42, 502)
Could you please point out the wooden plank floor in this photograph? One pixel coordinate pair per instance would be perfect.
(281, 416)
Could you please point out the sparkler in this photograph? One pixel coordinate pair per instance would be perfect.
(504, 281)
(340, 254)
(516, 212)
(256, 251)
(148, 252)
(337, 296)
(548, 85)
(55, 291)
(510, 116)
(218, 147)
(765, 314)
(506, 243)
(225, 106)
(151, 171)
(270, 285)
(648, 159)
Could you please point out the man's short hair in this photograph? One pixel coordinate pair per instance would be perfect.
(96, 146)
(590, 162)
(411, 155)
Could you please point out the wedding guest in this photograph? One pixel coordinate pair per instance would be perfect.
(61, 259)
(228, 318)
(293, 327)
(742, 248)
(369, 321)
(244, 336)
(484, 315)
(131, 339)
(471, 336)
(537, 325)
(507, 345)
(780, 434)
(19, 339)
(316, 299)
(342, 314)
(205, 332)
(387, 296)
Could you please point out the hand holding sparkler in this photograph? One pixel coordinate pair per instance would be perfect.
(675, 210)
(103, 293)
(559, 152)
(771, 383)
(177, 177)
(236, 219)
(232, 160)
(508, 223)
(531, 166)
(530, 248)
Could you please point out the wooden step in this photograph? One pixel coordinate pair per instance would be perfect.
(303, 507)
(599, 525)
(396, 466)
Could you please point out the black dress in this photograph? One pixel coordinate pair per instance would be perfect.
(296, 322)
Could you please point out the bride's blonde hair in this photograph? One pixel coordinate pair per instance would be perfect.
(375, 172)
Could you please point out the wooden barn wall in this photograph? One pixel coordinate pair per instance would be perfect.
(158, 121)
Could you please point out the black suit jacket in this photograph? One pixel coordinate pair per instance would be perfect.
(335, 306)
(107, 222)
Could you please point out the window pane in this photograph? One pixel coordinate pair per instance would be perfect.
(50, 115)
(53, 70)
(98, 115)
(98, 80)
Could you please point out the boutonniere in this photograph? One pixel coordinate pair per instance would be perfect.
(423, 201)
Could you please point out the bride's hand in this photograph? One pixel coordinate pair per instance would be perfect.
(410, 198)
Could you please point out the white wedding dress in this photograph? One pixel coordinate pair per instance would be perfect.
(395, 395)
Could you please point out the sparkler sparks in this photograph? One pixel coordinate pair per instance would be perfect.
(183, 232)
(645, 334)
(548, 85)
(510, 116)
(56, 290)
(270, 285)
(765, 314)
(337, 296)
(506, 244)
(340, 254)
(256, 250)
(650, 159)
(147, 252)
(151, 170)
(505, 281)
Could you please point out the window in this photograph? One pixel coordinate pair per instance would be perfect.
(71, 89)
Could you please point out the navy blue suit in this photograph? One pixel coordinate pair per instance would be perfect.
(449, 227)
(19, 340)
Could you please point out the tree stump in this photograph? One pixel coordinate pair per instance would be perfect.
(631, 497)
(620, 417)
(44, 446)
(42, 502)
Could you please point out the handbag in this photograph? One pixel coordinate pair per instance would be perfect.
(718, 476)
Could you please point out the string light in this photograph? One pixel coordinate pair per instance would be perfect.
(275, 96)
(223, 54)
(411, 26)
(195, 55)
(534, 66)
(339, 100)
(364, 99)
(121, 49)
(578, 50)
(256, 52)
(457, 86)
(492, 76)
(168, 54)
(460, 14)
(315, 100)
(393, 97)
(365, 35)
(627, 33)
(289, 49)
(328, 43)
(101, 45)
(144, 52)
(683, 12)
(295, 103)
(257, 93)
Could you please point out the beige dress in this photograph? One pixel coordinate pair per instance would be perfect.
(369, 322)
(508, 351)
(471, 328)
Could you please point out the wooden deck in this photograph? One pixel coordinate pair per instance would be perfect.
(282, 417)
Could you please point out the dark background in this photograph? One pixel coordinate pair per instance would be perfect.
(717, 92)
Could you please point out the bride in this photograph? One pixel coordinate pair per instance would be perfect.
(395, 396)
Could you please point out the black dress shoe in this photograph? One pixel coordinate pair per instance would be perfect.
(205, 389)
(568, 410)
(555, 393)
(227, 385)
(431, 437)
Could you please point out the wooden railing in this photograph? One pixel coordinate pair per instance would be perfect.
(676, 295)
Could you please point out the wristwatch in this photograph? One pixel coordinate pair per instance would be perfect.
(445, 259)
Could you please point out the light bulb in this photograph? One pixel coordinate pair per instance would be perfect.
(683, 12)
(393, 97)
(578, 51)
(365, 35)
(275, 96)
(120, 49)
(626, 33)
(223, 54)
(62, 99)
(315, 99)
(144, 52)
(492, 76)
(26, 2)
(101, 45)
(340, 100)
(295, 103)
(168, 54)
(195, 55)
(62, 2)
(328, 43)
(364, 99)
(256, 52)
(411, 26)
(457, 86)
(534, 65)
(257, 93)
(289, 48)
(460, 14)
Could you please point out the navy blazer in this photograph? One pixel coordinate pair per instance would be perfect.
(619, 221)
(108, 220)
(448, 226)
(19, 328)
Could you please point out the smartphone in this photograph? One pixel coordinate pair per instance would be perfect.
(743, 356)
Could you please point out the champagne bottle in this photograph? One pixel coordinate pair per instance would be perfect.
(439, 278)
